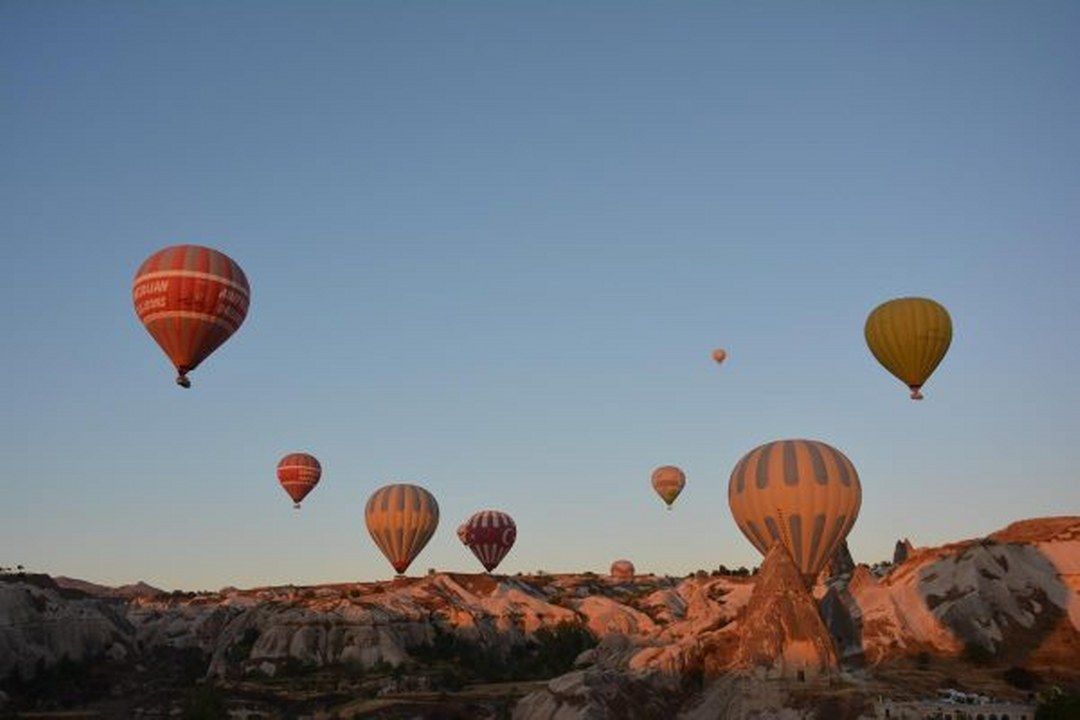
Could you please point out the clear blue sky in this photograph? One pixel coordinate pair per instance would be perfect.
(491, 246)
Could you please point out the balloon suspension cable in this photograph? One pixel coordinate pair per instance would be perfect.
(182, 380)
(915, 394)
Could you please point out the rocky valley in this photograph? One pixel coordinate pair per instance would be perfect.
(998, 616)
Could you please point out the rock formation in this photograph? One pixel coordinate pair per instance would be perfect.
(841, 562)
(1014, 596)
(781, 631)
(139, 589)
(902, 551)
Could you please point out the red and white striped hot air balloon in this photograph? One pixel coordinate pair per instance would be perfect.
(489, 534)
(298, 473)
(191, 299)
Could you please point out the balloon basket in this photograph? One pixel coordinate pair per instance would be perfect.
(296, 506)
(915, 394)
(182, 381)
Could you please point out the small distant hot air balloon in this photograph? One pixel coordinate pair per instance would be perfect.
(191, 299)
(622, 570)
(401, 519)
(668, 481)
(298, 473)
(719, 355)
(909, 337)
(489, 534)
(802, 494)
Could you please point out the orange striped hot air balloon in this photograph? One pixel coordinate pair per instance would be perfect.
(298, 473)
(489, 534)
(191, 299)
(909, 337)
(802, 494)
(401, 519)
(622, 570)
(668, 481)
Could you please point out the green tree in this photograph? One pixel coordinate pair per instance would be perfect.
(205, 703)
(1058, 705)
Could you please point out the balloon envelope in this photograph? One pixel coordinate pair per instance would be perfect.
(803, 494)
(191, 299)
(622, 570)
(298, 473)
(489, 534)
(909, 337)
(401, 519)
(668, 481)
(719, 355)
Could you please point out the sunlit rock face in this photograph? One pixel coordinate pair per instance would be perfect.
(1013, 594)
(367, 624)
(781, 631)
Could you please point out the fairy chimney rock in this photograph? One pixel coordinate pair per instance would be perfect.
(781, 631)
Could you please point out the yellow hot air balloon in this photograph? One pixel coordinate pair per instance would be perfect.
(668, 481)
(803, 494)
(909, 337)
(401, 519)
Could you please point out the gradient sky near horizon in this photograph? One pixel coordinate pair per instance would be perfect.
(491, 246)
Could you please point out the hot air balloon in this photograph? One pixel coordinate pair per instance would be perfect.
(909, 337)
(489, 534)
(622, 570)
(803, 494)
(191, 299)
(298, 473)
(719, 355)
(401, 519)
(668, 481)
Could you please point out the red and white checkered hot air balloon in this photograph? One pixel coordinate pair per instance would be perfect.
(191, 299)
(489, 534)
(298, 473)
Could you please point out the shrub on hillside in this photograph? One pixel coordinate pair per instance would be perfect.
(241, 649)
(1021, 678)
(549, 652)
(205, 703)
(978, 654)
(1058, 705)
